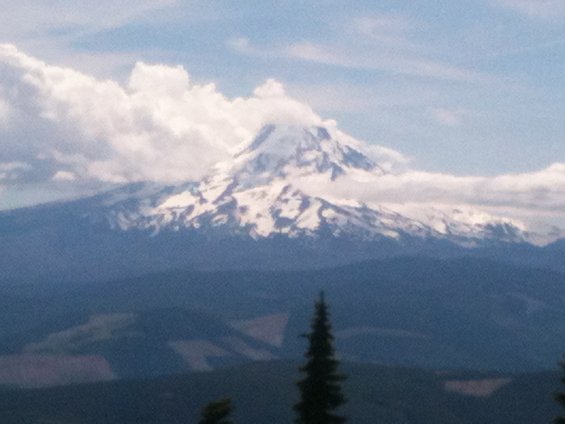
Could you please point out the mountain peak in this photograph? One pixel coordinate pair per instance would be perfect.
(285, 151)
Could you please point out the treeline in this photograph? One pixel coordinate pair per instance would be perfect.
(320, 388)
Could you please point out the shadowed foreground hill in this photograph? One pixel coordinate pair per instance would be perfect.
(418, 312)
(264, 393)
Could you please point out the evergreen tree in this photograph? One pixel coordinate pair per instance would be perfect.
(560, 398)
(217, 412)
(320, 389)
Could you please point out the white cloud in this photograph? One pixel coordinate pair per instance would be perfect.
(241, 45)
(64, 176)
(160, 127)
(271, 88)
(536, 198)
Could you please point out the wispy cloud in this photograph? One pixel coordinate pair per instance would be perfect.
(535, 200)
(552, 10)
(449, 117)
(340, 56)
(388, 43)
(392, 31)
(51, 29)
(400, 64)
(35, 18)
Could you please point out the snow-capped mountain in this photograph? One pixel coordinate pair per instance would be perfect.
(281, 183)
(286, 200)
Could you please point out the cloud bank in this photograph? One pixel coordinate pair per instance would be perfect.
(65, 125)
(60, 127)
(536, 196)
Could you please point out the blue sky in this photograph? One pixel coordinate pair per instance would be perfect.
(466, 88)
(469, 87)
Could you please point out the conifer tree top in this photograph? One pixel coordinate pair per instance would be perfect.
(217, 412)
(320, 389)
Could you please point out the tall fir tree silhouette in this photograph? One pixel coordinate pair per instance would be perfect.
(217, 412)
(560, 397)
(320, 389)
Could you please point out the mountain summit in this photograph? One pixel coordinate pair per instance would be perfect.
(287, 151)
